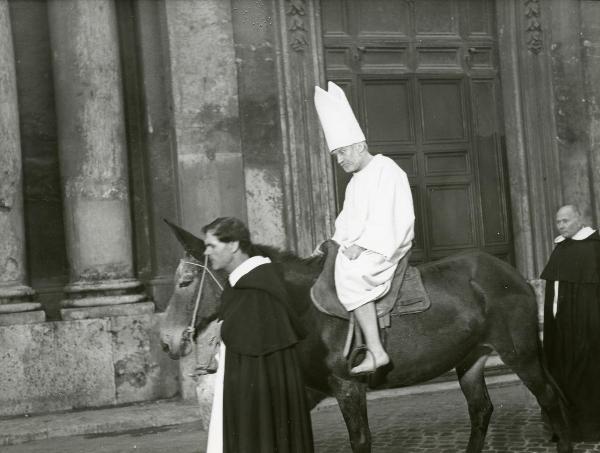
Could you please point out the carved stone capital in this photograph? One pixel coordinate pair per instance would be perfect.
(533, 31)
(296, 12)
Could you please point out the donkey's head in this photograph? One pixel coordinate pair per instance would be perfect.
(195, 299)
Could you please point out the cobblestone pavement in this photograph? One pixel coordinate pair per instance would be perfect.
(418, 423)
(439, 423)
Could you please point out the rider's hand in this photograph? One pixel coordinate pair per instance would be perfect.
(317, 251)
(353, 251)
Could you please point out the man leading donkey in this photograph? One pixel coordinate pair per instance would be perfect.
(375, 228)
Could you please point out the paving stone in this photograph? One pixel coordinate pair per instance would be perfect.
(439, 423)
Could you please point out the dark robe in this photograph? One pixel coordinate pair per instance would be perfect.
(572, 337)
(264, 401)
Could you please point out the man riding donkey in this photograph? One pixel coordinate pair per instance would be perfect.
(375, 228)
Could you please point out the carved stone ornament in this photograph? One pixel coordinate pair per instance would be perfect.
(534, 26)
(298, 33)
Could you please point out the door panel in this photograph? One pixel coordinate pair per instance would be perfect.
(418, 248)
(333, 13)
(436, 17)
(389, 17)
(447, 163)
(450, 216)
(479, 18)
(422, 77)
(489, 162)
(435, 58)
(390, 124)
(442, 107)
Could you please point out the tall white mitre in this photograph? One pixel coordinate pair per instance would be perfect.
(337, 119)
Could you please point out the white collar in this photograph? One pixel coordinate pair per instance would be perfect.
(583, 233)
(248, 265)
(373, 163)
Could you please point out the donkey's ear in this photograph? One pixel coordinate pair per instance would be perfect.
(191, 244)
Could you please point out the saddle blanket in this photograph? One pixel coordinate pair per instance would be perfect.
(412, 298)
(408, 298)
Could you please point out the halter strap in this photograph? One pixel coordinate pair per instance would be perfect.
(190, 329)
(205, 269)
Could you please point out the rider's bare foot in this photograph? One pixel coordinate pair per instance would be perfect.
(367, 365)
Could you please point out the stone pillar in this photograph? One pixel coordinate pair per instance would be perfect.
(15, 295)
(590, 30)
(308, 173)
(204, 93)
(532, 153)
(570, 102)
(260, 122)
(93, 160)
(288, 172)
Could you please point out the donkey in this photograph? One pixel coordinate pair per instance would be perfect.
(479, 304)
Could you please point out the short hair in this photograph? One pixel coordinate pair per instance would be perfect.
(231, 229)
(575, 208)
(360, 146)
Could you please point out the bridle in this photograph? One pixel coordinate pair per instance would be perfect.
(188, 333)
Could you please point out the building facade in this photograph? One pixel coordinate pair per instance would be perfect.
(116, 114)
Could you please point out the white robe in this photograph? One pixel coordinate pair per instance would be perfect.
(377, 215)
(215, 427)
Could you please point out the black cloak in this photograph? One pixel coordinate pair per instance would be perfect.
(572, 337)
(265, 407)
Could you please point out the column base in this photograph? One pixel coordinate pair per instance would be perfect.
(107, 311)
(113, 287)
(95, 295)
(15, 293)
(16, 308)
(98, 301)
(23, 317)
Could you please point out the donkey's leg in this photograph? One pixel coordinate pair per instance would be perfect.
(472, 383)
(351, 397)
(530, 371)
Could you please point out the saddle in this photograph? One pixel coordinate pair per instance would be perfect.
(406, 295)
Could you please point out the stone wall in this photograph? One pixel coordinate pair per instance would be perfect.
(64, 365)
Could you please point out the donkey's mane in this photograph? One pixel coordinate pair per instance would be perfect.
(278, 255)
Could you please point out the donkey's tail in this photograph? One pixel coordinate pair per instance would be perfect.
(550, 378)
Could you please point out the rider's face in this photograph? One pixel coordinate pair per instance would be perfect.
(351, 158)
(219, 253)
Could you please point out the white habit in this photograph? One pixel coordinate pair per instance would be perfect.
(377, 215)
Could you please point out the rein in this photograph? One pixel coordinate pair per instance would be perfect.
(189, 331)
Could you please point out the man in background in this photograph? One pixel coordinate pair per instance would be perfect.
(572, 320)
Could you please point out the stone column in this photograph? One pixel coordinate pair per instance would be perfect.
(15, 295)
(93, 160)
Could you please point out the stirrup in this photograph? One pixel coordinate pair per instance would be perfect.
(357, 350)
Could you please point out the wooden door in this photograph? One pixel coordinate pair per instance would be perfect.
(422, 76)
